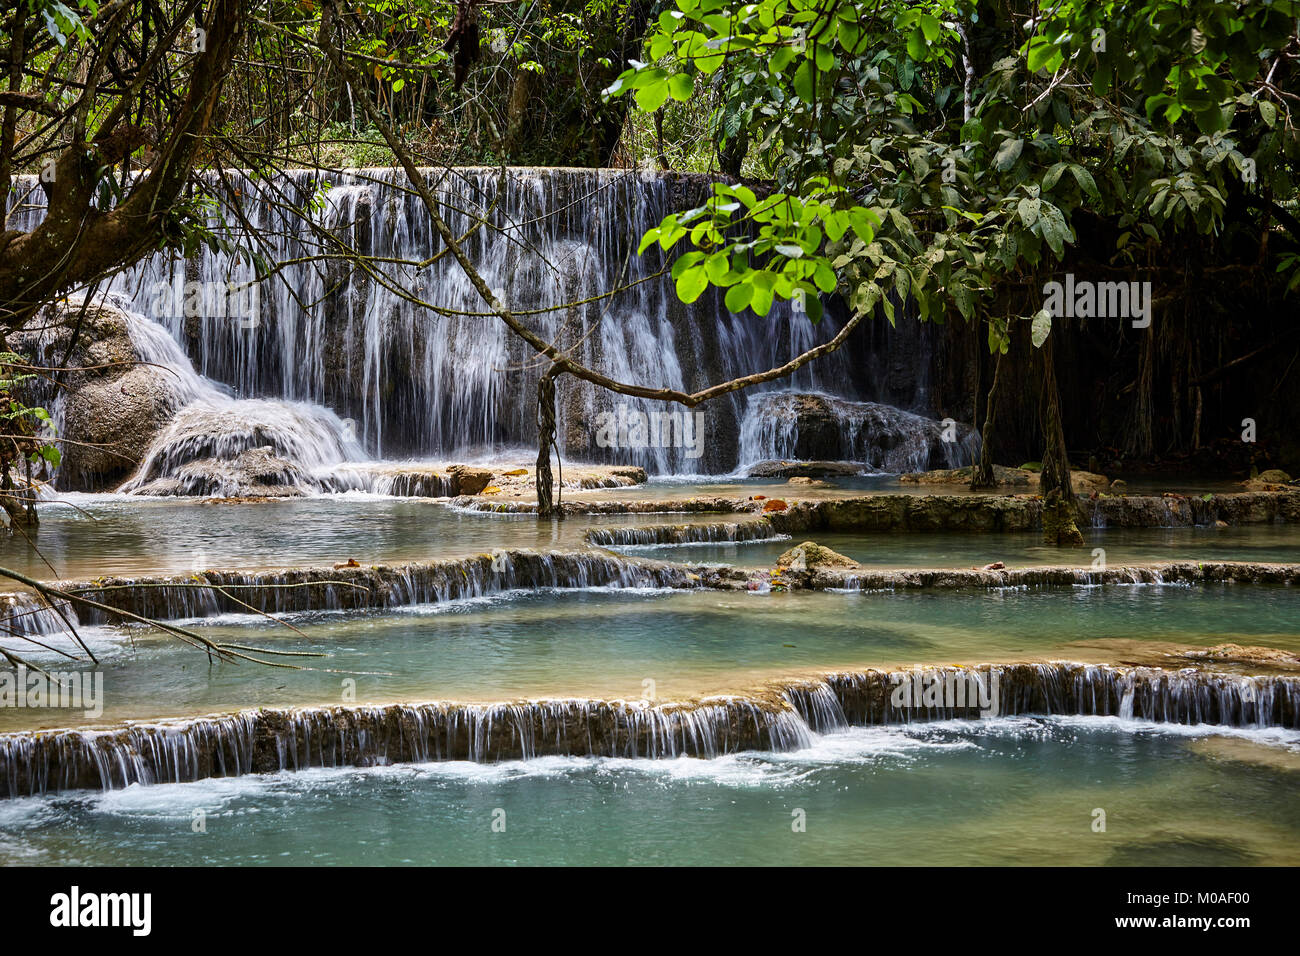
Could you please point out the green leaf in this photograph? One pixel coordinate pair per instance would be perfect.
(681, 87)
(738, 296)
(803, 81)
(1053, 228)
(825, 278)
(864, 221)
(916, 45)
(650, 98)
(1007, 154)
(1086, 182)
(1053, 175)
(1028, 210)
(1041, 327)
(691, 284)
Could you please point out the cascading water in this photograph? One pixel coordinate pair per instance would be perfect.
(784, 717)
(406, 355)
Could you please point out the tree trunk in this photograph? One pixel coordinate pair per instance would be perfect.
(1060, 509)
(982, 474)
(546, 507)
(77, 242)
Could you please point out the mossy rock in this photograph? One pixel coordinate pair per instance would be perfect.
(810, 555)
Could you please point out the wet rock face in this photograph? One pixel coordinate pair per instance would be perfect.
(110, 413)
(814, 427)
(255, 473)
(469, 481)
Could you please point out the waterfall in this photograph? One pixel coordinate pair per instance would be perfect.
(1055, 688)
(209, 593)
(784, 718)
(420, 383)
(405, 363)
(730, 532)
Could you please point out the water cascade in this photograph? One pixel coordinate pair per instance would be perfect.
(783, 719)
(406, 381)
(724, 532)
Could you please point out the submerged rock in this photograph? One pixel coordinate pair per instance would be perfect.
(1255, 656)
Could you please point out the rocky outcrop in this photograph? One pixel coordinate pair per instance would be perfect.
(469, 481)
(879, 438)
(950, 512)
(804, 469)
(1084, 482)
(999, 513)
(254, 473)
(811, 556)
(110, 410)
(1274, 479)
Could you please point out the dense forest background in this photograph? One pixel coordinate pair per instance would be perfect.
(921, 169)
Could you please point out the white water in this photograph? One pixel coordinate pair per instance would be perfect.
(362, 368)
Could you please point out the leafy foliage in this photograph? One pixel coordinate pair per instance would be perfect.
(944, 150)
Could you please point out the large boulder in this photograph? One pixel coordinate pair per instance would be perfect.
(231, 448)
(1274, 479)
(811, 427)
(811, 556)
(253, 473)
(108, 408)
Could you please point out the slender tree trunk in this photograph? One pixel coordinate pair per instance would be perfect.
(546, 506)
(1060, 508)
(982, 474)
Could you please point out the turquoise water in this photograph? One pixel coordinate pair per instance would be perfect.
(1007, 791)
(130, 536)
(602, 643)
(1012, 791)
(1254, 543)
